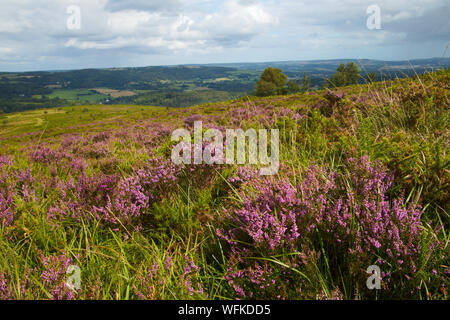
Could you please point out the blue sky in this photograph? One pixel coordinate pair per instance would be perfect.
(35, 34)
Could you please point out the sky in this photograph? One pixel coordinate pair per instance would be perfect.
(76, 34)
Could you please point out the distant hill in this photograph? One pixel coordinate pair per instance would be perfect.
(325, 68)
(372, 65)
(176, 86)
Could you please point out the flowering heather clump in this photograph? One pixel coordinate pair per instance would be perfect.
(243, 174)
(257, 281)
(158, 177)
(97, 150)
(7, 207)
(69, 140)
(257, 218)
(260, 113)
(47, 155)
(192, 285)
(21, 288)
(101, 137)
(151, 279)
(331, 102)
(14, 183)
(128, 204)
(4, 160)
(54, 277)
(334, 96)
(284, 112)
(5, 289)
(189, 120)
(112, 199)
(78, 197)
(77, 165)
(158, 131)
(136, 193)
(349, 211)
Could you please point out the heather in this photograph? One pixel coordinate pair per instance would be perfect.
(348, 215)
(363, 181)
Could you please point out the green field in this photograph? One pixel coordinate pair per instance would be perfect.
(78, 95)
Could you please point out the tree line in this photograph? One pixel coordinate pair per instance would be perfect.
(274, 82)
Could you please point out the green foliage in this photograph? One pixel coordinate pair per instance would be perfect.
(306, 85)
(24, 104)
(346, 75)
(272, 82)
(293, 87)
(181, 99)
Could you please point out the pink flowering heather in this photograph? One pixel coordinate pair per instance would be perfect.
(14, 183)
(54, 277)
(98, 150)
(136, 193)
(112, 199)
(150, 278)
(4, 160)
(349, 211)
(7, 206)
(78, 197)
(46, 155)
(51, 275)
(128, 204)
(5, 289)
(189, 120)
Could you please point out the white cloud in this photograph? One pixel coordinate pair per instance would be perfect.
(234, 23)
(239, 18)
(128, 22)
(178, 31)
(152, 5)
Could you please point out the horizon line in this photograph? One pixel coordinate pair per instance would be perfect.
(222, 63)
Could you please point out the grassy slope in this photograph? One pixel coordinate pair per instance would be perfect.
(403, 123)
